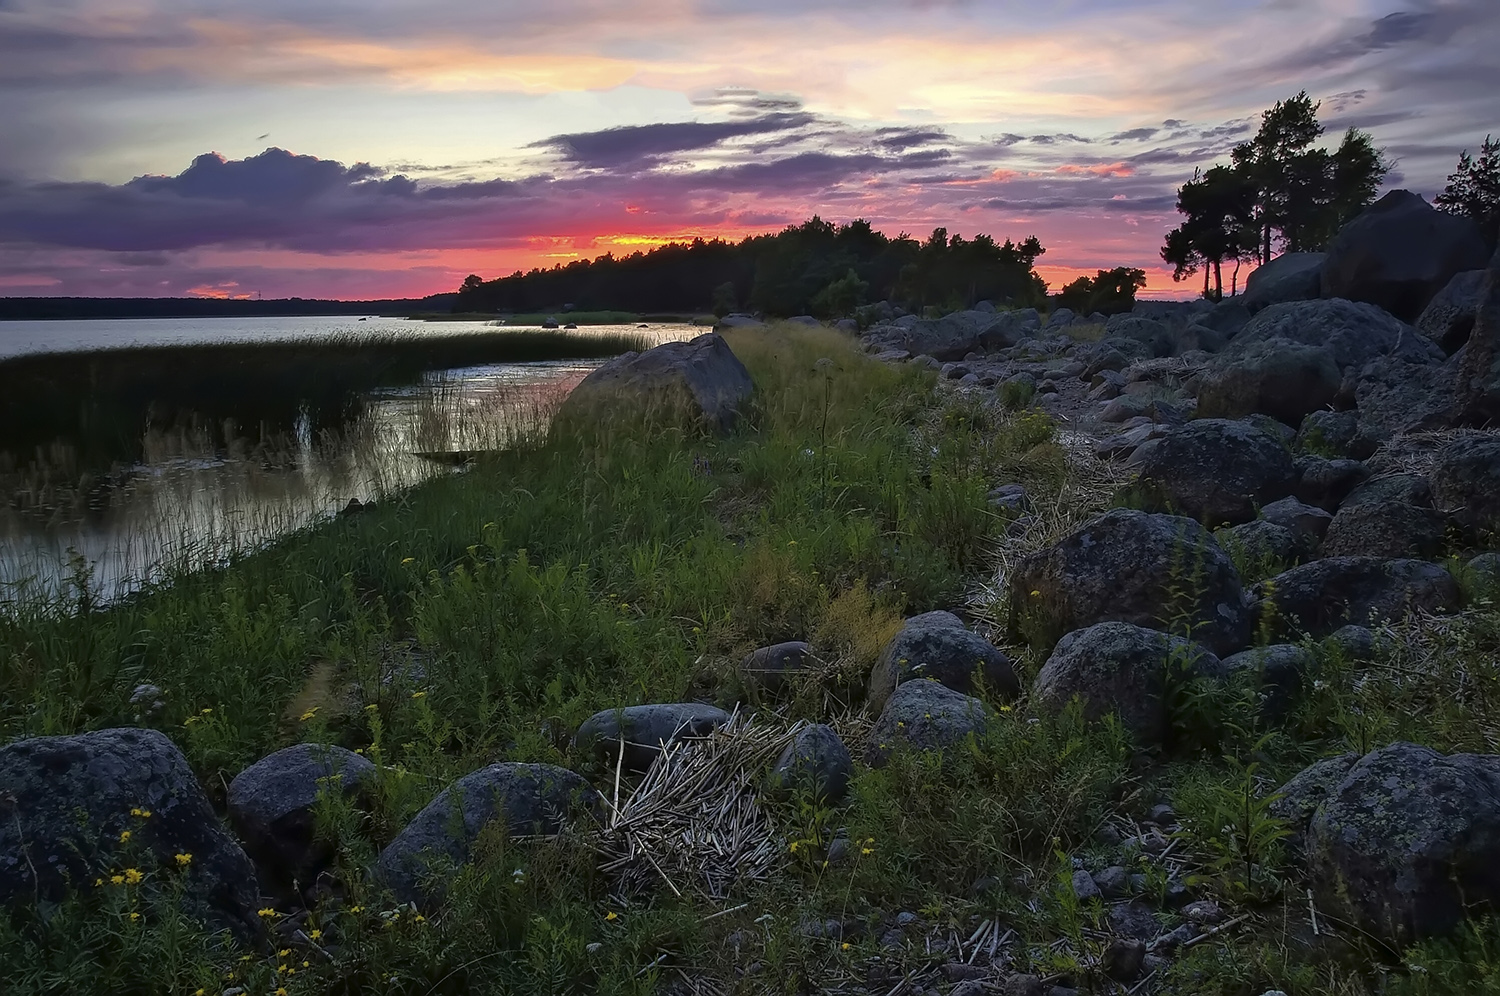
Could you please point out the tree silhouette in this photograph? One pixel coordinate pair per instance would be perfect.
(1474, 190)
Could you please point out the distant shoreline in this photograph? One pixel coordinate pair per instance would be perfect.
(62, 308)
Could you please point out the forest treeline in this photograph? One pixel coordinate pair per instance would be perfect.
(814, 268)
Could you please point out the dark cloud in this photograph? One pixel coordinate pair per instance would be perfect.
(1133, 135)
(901, 139)
(1435, 25)
(1059, 137)
(634, 145)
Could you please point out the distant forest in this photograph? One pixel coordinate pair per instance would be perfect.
(814, 268)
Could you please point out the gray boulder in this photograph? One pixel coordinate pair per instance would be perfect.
(1399, 253)
(1466, 482)
(1292, 276)
(936, 645)
(807, 321)
(924, 715)
(1061, 319)
(271, 806)
(1008, 328)
(1262, 542)
(1338, 434)
(1227, 317)
(1277, 377)
(1384, 528)
(700, 380)
(768, 668)
(1354, 333)
(1125, 566)
(1280, 669)
(1404, 846)
(645, 730)
(815, 763)
(1154, 336)
(1214, 470)
(1325, 595)
(1326, 483)
(739, 322)
(1396, 396)
(1485, 569)
(1307, 522)
(1478, 382)
(66, 802)
(1299, 798)
(527, 798)
(1448, 319)
(1121, 669)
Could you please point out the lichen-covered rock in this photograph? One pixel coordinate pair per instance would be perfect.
(1277, 377)
(1384, 529)
(77, 808)
(816, 763)
(1116, 668)
(1262, 542)
(1281, 670)
(1300, 797)
(926, 716)
(1134, 567)
(1308, 522)
(1326, 483)
(1477, 392)
(1354, 333)
(645, 729)
(1320, 597)
(1466, 482)
(1404, 846)
(527, 798)
(700, 380)
(1396, 395)
(1448, 319)
(767, 669)
(1217, 471)
(272, 803)
(1399, 252)
(1338, 434)
(936, 645)
(1292, 276)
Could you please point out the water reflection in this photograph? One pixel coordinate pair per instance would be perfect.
(192, 490)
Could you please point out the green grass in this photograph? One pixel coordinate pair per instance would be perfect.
(479, 618)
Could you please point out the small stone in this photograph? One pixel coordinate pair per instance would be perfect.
(1113, 881)
(892, 939)
(1123, 959)
(1162, 814)
(838, 851)
(1174, 939)
(1134, 920)
(1084, 886)
(970, 987)
(957, 971)
(1024, 985)
(905, 919)
(1205, 912)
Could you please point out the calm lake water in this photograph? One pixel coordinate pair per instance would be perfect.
(194, 497)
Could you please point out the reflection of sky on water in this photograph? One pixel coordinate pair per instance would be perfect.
(190, 503)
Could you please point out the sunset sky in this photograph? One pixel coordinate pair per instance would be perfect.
(376, 148)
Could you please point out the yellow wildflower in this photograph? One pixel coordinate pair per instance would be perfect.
(204, 712)
(134, 917)
(98, 881)
(844, 946)
(283, 952)
(124, 836)
(315, 934)
(867, 850)
(280, 991)
(142, 813)
(611, 916)
(117, 880)
(408, 560)
(267, 912)
(133, 877)
(419, 695)
(356, 909)
(183, 860)
(309, 714)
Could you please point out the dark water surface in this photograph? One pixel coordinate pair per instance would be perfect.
(193, 490)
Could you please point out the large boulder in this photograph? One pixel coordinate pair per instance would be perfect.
(1118, 668)
(1478, 381)
(1214, 470)
(1324, 596)
(526, 798)
(1296, 801)
(1354, 333)
(767, 669)
(1277, 377)
(1326, 483)
(925, 716)
(1292, 276)
(1466, 482)
(1386, 517)
(936, 645)
(272, 806)
(1281, 671)
(1399, 253)
(1009, 328)
(1396, 395)
(1307, 522)
(1448, 319)
(948, 338)
(1339, 435)
(700, 380)
(1263, 543)
(1404, 846)
(74, 809)
(815, 763)
(1154, 336)
(645, 730)
(1134, 567)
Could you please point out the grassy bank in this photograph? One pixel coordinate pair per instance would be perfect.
(102, 401)
(481, 618)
